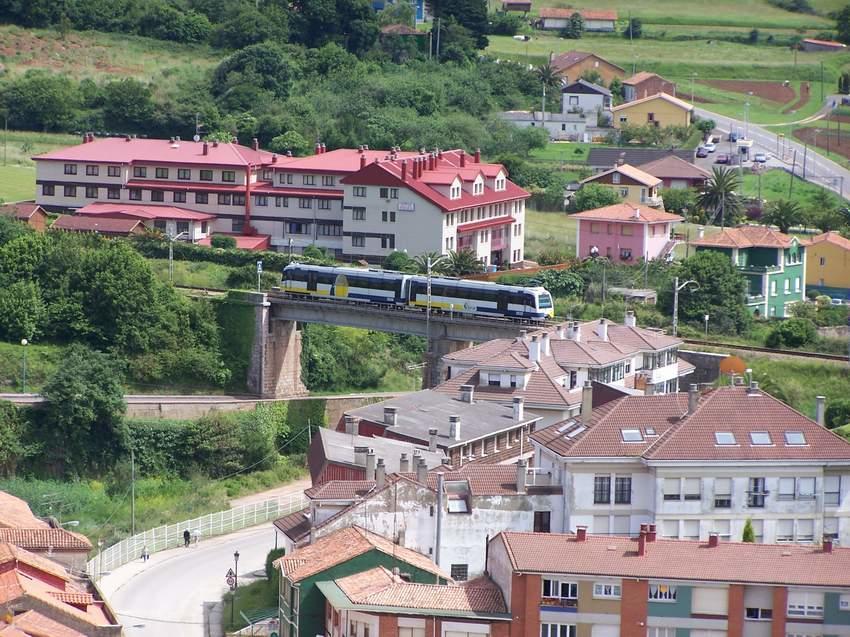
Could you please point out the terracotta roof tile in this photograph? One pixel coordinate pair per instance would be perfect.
(340, 490)
(34, 624)
(673, 167)
(141, 211)
(22, 210)
(834, 238)
(564, 61)
(45, 538)
(85, 223)
(16, 513)
(747, 237)
(626, 211)
(9, 552)
(343, 545)
(787, 565)
(641, 76)
(658, 96)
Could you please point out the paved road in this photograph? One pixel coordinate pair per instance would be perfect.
(819, 169)
(177, 593)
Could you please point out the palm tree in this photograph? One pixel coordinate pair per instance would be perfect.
(721, 196)
(437, 266)
(463, 262)
(548, 75)
(784, 214)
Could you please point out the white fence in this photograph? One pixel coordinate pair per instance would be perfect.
(171, 535)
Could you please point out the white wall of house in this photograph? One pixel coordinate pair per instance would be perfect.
(585, 102)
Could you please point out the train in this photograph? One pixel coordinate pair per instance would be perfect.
(449, 295)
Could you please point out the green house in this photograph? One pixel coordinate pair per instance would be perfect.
(345, 552)
(773, 263)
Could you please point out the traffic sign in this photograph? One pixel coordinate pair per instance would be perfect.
(259, 267)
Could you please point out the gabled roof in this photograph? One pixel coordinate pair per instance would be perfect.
(679, 560)
(296, 526)
(832, 237)
(43, 539)
(633, 156)
(673, 167)
(628, 212)
(340, 490)
(84, 223)
(16, 513)
(748, 237)
(338, 446)
(22, 210)
(642, 76)
(378, 587)
(142, 211)
(629, 171)
(34, 624)
(564, 61)
(587, 14)
(587, 85)
(675, 101)
(344, 545)
(118, 150)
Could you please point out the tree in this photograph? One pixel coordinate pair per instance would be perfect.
(470, 14)
(559, 282)
(844, 83)
(548, 75)
(792, 332)
(593, 196)
(438, 265)
(264, 66)
(249, 26)
(462, 262)
(593, 76)
(842, 25)
(83, 426)
(749, 534)
(720, 293)
(128, 105)
(823, 213)
(399, 262)
(838, 413)
(634, 29)
(223, 241)
(13, 449)
(290, 141)
(22, 311)
(784, 214)
(705, 126)
(574, 28)
(753, 37)
(680, 201)
(39, 100)
(720, 197)
(616, 89)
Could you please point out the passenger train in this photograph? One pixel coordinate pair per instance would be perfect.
(478, 298)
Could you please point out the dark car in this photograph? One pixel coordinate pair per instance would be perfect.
(722, 158)
(702, 151)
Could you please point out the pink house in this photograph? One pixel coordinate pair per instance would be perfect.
(625, 233)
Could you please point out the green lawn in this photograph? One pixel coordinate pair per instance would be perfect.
(17, 183)
(761, 111)
(17, 170)
(262, 594)
(42, 361)
(774, 185)
(197, 274)
(565, 152)
(547, 230)
(798, 382)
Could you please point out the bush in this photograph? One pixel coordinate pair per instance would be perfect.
(245, 278)
(223, 241)
(793, 332)
(838, 413)
(270, 558)
(504, 24)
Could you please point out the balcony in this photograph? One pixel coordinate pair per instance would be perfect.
(562, 604)
(654, 202)
(758, 269)
(753, 299)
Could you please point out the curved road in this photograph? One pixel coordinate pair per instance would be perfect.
(177, 593)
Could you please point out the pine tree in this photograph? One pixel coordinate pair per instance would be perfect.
(749, 534)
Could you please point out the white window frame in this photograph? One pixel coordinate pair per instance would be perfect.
(805, 604)
(663, 592)
(607, 590)
(572, 588)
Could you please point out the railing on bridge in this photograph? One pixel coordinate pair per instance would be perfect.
(170, 536)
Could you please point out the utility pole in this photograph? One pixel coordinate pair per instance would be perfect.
(438, 39)
(793, 167)
(543, 112)
(676, 289)
(805, 154)
(631, 39)
(821, 80)
(132, 492)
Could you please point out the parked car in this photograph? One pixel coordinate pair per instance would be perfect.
(710, 146)
(722, 158)
(702, 151)
(834, 301)
(715, 139)
(733, 136)
(760, 158)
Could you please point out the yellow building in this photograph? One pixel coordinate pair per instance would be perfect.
(632, 184)
(828, 265)
(658, 110)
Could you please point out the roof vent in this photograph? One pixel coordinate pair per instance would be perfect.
(753, 389)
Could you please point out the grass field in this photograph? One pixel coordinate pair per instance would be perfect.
(93, 54)
(198, 274)
(546, 230)
(17, 183)
(564, 152)
(774, 185)
(17, 170)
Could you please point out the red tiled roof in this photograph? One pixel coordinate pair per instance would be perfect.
(744, 562)
(673, 167)
(343, 545)
(73, 223)
(75, 598)
(117, 150)
(658, 96)
(295, 526)
(142, 211)
(243, 241)
(378, 587)
(628, 212)
(564, 61)
(341, 160)
(34, 624)
(831, 237)
(16, 513)
(629, 171)
(42, 539)
(340, 490)
(747, 237)
(641, 76)
(587, 14)
(10, 552)
(22, 210)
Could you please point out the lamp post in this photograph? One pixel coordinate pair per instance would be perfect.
(235, 584)
(171, 240)
(693, 77)
(705, 318)
(676, 289)
(430, 265)
(24, 343)
(290, 249)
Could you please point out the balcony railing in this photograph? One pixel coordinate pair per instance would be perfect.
(755, 298)
(558, 602)
(653, 201)
(759, 269)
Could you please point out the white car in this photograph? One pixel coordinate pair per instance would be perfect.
(710, 146)
(760, 158)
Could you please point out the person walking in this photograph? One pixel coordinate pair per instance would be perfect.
(145, 554)
(186, 538)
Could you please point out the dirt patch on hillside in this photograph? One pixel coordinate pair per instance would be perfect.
(827, 140)
(71, 54)
(772, 91)
(802, 100)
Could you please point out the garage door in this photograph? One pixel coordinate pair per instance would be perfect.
(605, 630)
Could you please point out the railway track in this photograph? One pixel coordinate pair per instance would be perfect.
(767, 350)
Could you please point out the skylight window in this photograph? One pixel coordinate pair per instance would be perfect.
(795, 438)
(632, 435)
(760, 438)
(650, 431)
(576, 431)
(724, 438)
(458, 506)
(566, 425)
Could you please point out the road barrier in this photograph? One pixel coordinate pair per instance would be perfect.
(170, 536)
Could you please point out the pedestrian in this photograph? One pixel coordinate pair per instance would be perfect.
(145, 554)
(196, 535)
(186, 537)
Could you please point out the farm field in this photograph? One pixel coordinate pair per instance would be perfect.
(771, 102)
(17, 183)
(94, 54)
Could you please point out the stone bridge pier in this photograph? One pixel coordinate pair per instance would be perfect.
(275, 369)
(434, 372)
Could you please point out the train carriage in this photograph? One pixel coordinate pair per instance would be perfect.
(356, 284)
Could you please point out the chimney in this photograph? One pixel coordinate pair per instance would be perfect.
(523, 335)
(700, 232)
(432, 162)
(396, 574)
(519, 409)
(561, 331)
(463, 159)
(317, 149)
(827, 544)
(534, 349)
(404, 171)
(644, 528)
(432, 439)
(652, 533)
(362, 161)
(713, 540)
(636, 213)
(206, 148)
(85, 138)
(360, 456)
(544, 344)
(581, 533)
(642, 543)
(274, 158)
(404, 464)
(255, 144)
(630, 319)
(324, 149)
(380, 474)
(370, 465)
(127, 138)
(349, 424)
(477, 155)
(586, 401)
(577, 332)
(521, 475)
(602, 329)
(753, 389)
(391, 416)
(454, 427)
(466, 393)
(215, 143)
(422, 471)
(693, 398)
(820, 410)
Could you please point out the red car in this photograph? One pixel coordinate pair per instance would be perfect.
(722, 158)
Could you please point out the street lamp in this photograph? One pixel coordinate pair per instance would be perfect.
(24, 343)
(290, 249)
(171, 240)
(705, 318)
(235, 584)
(676, 289)
(428, 360)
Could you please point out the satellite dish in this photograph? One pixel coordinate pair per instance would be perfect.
(197, 138)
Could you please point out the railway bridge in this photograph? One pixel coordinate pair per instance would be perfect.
(276, 355)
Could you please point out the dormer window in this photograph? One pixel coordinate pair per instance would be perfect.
(454, 193)
(500, 183)
(478, 188)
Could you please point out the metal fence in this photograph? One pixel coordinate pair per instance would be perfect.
(171, 535)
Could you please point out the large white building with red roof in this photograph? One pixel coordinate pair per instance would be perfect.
(357, 203)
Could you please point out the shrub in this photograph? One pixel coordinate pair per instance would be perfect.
(793, 332)
(223, 241)
(270, 558)
(749, 534)
(838, 413)
(245, 278)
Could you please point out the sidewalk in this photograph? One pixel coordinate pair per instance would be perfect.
(292, 488)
